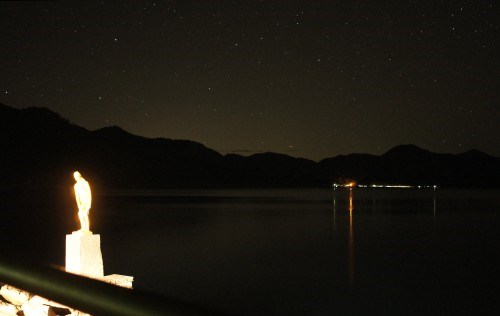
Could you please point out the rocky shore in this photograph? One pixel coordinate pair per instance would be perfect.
(14, 301)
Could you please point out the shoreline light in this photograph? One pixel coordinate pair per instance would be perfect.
(397, 186)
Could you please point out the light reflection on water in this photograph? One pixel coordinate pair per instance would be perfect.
(350, 208)
(351, 241)
(276, 251)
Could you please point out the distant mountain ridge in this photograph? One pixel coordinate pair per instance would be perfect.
(40, 148)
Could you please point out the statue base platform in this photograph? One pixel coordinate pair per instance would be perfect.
(119, 280)
(83, 254)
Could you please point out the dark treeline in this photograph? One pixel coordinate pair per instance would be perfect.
(40, 148)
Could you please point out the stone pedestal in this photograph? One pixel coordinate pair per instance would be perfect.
(120, 280)
(83, 254)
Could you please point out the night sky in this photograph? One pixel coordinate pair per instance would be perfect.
(311, 79)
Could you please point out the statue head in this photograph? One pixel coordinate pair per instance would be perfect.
(77, 175)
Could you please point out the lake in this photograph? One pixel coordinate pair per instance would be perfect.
(296, 252)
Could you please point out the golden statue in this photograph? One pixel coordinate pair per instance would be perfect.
(83, 200)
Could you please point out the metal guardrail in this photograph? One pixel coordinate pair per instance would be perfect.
(89, 295)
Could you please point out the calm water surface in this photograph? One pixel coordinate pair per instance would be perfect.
(309, 252)
(290, 252)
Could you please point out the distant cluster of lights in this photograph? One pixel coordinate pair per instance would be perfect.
(399, 186)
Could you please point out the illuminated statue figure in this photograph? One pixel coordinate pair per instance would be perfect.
(83, 200)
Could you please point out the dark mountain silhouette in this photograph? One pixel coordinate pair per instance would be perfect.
(409, 164)
(40, 148)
